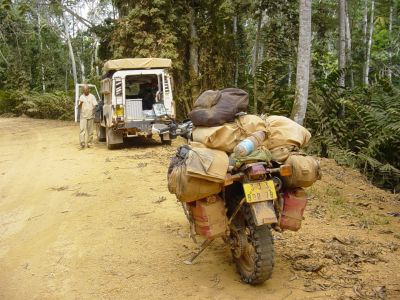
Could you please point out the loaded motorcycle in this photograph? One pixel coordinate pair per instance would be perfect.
(258, 196)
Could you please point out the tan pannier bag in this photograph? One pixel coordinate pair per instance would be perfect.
(282, 153)
(285, 131)
(305, 171)
(227, 136)
(188, 188)
(209, 164)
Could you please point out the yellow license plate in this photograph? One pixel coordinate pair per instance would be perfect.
(259, 191)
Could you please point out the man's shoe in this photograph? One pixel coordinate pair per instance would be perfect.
(81, 147)
(89, 145)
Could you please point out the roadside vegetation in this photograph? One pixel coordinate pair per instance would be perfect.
(353, 107)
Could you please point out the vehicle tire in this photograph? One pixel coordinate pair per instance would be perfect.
(256, 259)
(165, 142)
(109, 132)
(101, 133)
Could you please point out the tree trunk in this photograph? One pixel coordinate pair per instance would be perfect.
(390, 51)
(349, 58)
(369, 44)
(70, 50)
(96, 56)
(342, 41)
(41, 52)
(92, 62)
(289, 76)
(255, 60)
(66, 80)
(303, 63)
(365, 31)
(193, 57)
(4, 58)
(82, 68)
(235, 27)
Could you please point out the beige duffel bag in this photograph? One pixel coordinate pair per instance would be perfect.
(188, 188)
(282, 153)
(227, 136)
(305, 171)
(285, 131)
(209, 164)
(201, 173)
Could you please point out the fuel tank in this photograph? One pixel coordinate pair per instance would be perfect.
(294, 203)
(209, 216)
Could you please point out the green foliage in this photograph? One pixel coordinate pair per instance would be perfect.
(55, 105)
(150, 30)
(274, 94)
(358, 127)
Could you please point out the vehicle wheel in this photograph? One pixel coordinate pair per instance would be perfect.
(109, 132)
(166, 142)
(101, 133)
(253, 252)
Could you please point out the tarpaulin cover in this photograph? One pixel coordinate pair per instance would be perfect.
(136, 63)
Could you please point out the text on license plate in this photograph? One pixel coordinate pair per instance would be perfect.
(259, 191)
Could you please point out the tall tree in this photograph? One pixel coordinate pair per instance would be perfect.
(256, 56)
(390, 50)
(349, 58)
(303, 63)
(193, 56)
(342, 41)
(235, 35)
(369, 44)
(70, 49)
(39, 33)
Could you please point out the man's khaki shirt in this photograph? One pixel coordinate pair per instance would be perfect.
(88, 105)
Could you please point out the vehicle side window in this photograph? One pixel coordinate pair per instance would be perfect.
(106, 90)
(167, 88)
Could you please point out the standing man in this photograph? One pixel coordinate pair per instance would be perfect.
(87, 104)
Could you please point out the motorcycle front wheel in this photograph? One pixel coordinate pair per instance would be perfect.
(253, 252)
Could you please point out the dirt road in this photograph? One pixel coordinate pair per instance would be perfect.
(101, 224)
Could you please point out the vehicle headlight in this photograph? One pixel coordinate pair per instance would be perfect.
(119, 110)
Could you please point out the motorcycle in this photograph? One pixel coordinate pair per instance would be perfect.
(253, 202)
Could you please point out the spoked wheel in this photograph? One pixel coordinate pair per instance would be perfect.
(252, 248)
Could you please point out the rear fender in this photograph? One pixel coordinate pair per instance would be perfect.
(263, 212)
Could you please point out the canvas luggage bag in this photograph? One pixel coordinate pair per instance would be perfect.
(282, 153)
(227, 136)
(285, 132)
(305, 171)
(208, 164)
(214, 108)
(188, 188)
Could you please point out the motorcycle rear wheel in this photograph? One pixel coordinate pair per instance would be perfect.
(256, 261)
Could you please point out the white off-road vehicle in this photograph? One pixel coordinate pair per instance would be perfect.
(136, 100)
